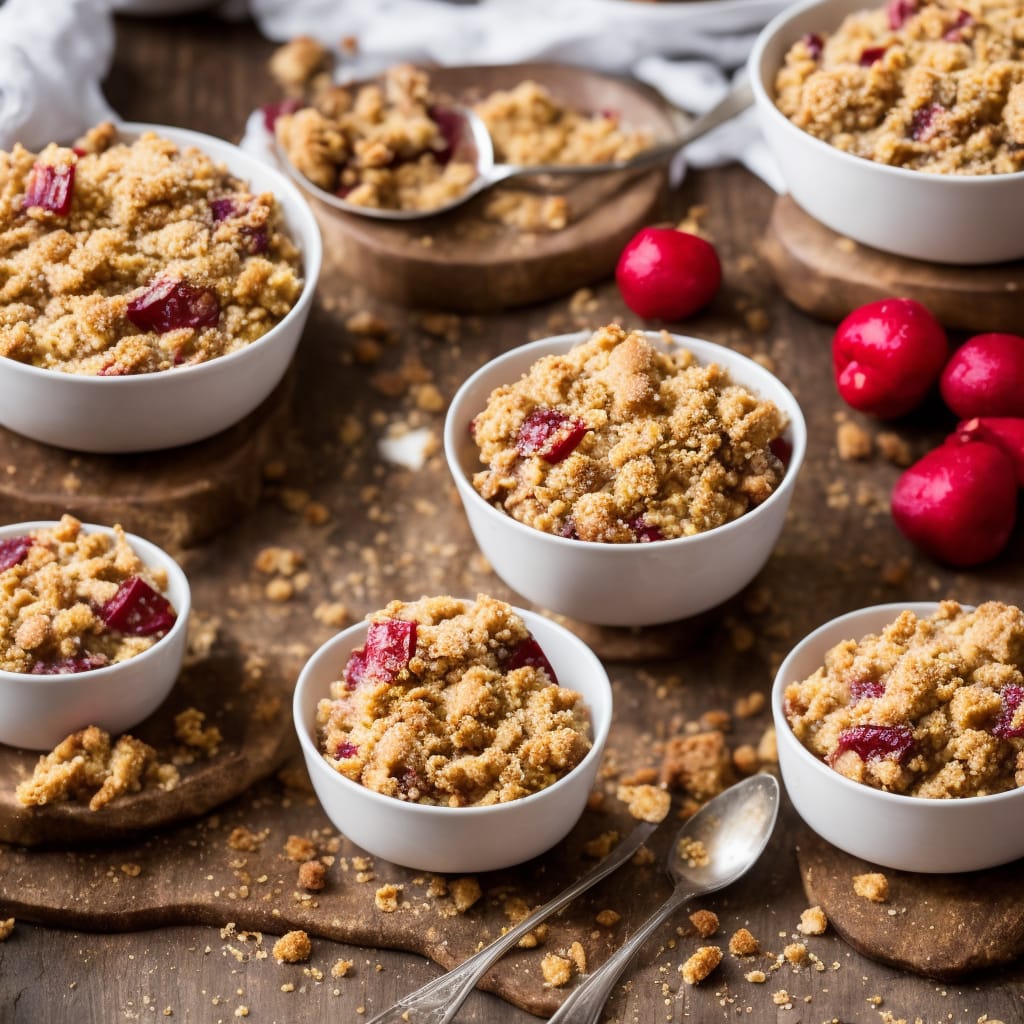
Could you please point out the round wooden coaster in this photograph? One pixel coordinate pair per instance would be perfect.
(944, 926)
(256, 729)
(463, 262)
(175, 498)
(827, 275)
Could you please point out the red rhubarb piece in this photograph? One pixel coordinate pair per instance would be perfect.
(864, 689)
(529, 652)
(13, 551)
(645, 532)
(452, 127)
(550, 434)
(923, 123)
(874, 742)
(1012, 696)
(871, 55)
(272, 111)
(814, 44)
(389, 647)
(568, 530)
(899, 11)
(69, 666)
(410, 783)
(781, 449)
(170, 303)
(345, 749)
(355, 668)
(954, 32)
(137, 609)
(49, 188)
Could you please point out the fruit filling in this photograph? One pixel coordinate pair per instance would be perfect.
(621, 440)
(72, 601)
(50, 187)
(452, 703)
(927, 707)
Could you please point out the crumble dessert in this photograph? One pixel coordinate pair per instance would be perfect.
(701, 964)
(132, 258)
(451, 703)
(72, 601)
(930, 707)
(931, 85)
(392, 144)
(621, 442)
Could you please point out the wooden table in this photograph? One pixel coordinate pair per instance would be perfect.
(839, 551)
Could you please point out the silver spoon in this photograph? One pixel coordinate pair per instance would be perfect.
(439, 1000)
(734, 828)
(473, 143)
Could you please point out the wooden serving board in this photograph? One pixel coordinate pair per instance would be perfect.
(461, 261)
(943, 926)
(176, 498)
(827, 275)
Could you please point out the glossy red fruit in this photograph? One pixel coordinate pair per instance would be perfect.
(985, 377)
(169, 303)
(1011, 697)
(69, 666)
(668, 274)
(550, 434)
(1005, 432)
(874, 742)
(13, 551)
(887, 355)
(866, 689)
(137, 609)
(958, 503)
(389, 647)
(50, 187)
(529, 652)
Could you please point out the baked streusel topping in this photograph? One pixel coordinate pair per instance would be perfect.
(932, 85)
(929, 707)
(451, 702)
(120, 259)
(620, 441)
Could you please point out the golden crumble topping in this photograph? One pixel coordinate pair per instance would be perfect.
(451, 702)
(646, 803)
(812, 921)
(701, 964)
(58, 587)
(743, 943)
(620, 442)
(292, 948)
(929, 707)
(931, 85)
(872, 886)
(120, 259)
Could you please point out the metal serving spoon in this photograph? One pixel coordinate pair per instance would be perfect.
(734, 829)
(473, 144)
(439, 1000)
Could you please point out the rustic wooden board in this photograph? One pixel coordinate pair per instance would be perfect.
(176, 498)
(460, 261)
(828, 275)
(941, 926)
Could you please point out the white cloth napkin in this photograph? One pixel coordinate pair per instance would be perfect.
(686, 50)
(52, 58)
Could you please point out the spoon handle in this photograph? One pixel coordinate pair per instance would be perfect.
(584, 1005)
(439, 1000)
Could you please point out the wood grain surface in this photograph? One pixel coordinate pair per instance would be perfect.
(391, 531)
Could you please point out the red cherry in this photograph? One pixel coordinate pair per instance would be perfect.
(886, 356)
(668, 274)
(985, 377)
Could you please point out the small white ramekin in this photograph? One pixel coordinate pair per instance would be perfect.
(151, 411)
(37, 712)
(941, 218)
(896, 831)
(620, 584)
(456, 839)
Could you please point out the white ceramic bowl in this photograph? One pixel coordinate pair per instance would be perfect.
(620, 584)
(37, 712)
(904, 832)
(150, 411)
(456, 839)
(941, 218)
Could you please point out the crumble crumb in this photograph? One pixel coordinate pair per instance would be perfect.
(292, 948)
(332, 613)
(608, 918)
(387, 896)
(872, 886)
(756, 977)
(700, 764)
(245, 840)
(812, 922)
(312, 875)
(705, 922)
(895, 449)
(781, 998)
(853, 442)
(341, 968)
(131, 870)
(299, 848)
(795, 953)
(557, 970)
(188, 729)
(701, 964)
(646, 803)
(601, 845)
(743, 943)
(578, 956)
(749, 706)
(279, 561)
(464, 892)
(6, 927)
(693, 852)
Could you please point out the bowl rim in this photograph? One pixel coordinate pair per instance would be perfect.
(797, 428)
(766, 104)
(860, 789)
(599, 730)
(146, 550)
(310, 245)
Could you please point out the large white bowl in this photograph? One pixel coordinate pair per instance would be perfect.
(904, 832)
(37, 712)
(150, 411)
(943, 218)
(456, 839)
(620, 584)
